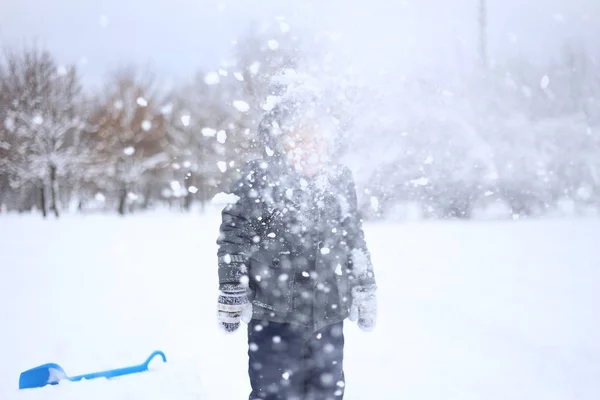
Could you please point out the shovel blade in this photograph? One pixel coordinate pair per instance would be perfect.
(47, 374)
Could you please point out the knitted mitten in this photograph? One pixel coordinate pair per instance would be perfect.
(233, 306)
(364, 307)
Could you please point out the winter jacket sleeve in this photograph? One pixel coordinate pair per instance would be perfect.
(361, 268)
(238, 227)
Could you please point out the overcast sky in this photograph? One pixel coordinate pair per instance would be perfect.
(175, 37)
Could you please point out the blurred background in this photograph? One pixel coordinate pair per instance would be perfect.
(463, 109)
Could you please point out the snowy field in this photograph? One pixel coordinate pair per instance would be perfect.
(491, 310)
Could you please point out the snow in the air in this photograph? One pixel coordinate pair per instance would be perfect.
(129, 150)
(61, 70)
(167, 109)
(473, 133)
(221, 136)
(146, 125)
(255, 67)
(209, 132)
(212, 78)
(185, 120)
(284, 27)
(420, 181)
(221, 199)
(241, 105)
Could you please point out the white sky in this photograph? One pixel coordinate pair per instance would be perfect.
(176, 37)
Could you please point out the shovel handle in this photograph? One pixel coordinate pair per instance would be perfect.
(112, 373)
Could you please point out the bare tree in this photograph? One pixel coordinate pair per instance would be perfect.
(42, 122)
(129, 135)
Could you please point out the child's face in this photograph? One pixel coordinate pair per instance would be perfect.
(306, 150)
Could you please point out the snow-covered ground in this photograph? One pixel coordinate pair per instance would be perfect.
(474, 310)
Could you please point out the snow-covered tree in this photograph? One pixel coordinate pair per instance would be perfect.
(129, 138)
(42, 123)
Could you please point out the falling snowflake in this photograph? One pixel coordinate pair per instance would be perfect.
(142, 102)
(37, 120)
(9, 124)
(167, 109)
(545, 82)
(193, 189)
(185, 120)
(241, 105)
(222, 165)
(223, 72)
(239, 76)
(208, 132)
(284, 27)
(221, 136)
(146, 125)
(212, 78)
(420, 182)
(175, 186)
(374, 202)
(273, 44)
(129, 151)
(132, 196)
(254, 68)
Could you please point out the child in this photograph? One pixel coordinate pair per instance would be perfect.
(293, 262)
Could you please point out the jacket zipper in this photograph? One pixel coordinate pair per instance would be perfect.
(317, 252)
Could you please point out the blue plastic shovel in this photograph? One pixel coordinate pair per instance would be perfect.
(52, 374)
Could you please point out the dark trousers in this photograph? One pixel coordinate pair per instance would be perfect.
(292, 362)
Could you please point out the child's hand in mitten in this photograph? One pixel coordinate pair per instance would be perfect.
(232, 307)
(364, 307)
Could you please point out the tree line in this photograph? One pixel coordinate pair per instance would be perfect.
(132, 144)
(519, 132)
